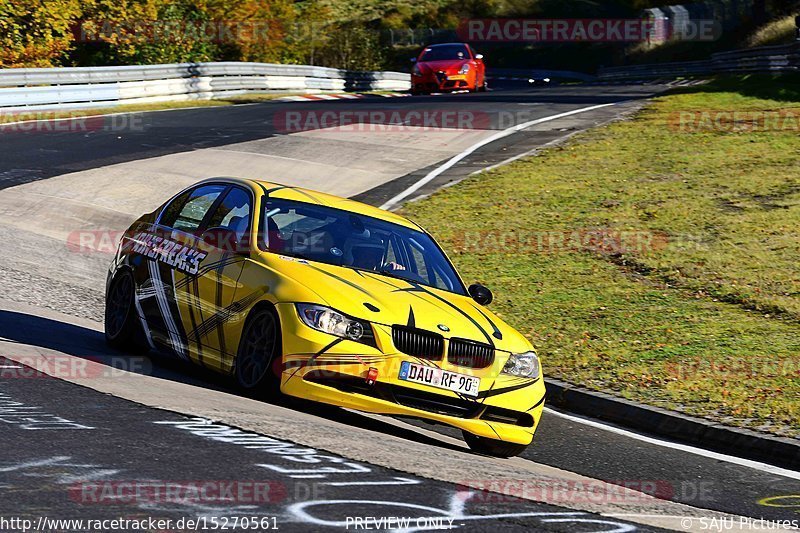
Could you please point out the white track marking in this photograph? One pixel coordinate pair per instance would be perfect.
(9, 366)
(499, 135)
(680, 447)
(293, 99)
(535, 151)
(396, 481)
(532, 152)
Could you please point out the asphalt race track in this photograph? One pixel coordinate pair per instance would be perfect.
(134, 437)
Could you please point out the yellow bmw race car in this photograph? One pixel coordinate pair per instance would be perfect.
(325, 299)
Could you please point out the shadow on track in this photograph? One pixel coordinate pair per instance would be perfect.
(89, 344)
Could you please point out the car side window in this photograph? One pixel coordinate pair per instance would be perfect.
(234, 213)
(188, 210)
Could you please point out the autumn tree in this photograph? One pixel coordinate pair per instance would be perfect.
(35, 33)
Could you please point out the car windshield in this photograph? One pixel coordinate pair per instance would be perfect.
(445, 52)
(346, 239)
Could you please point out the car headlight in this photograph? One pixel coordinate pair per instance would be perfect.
(464, 68)
(524, 365)
(335, 323)
(416, 71)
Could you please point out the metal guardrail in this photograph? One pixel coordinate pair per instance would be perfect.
(48, 88)
(538, 74)
(783, 58)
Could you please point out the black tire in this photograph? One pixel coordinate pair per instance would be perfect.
(493, 447)
(123, 328)
(258, 359)
(482, 88)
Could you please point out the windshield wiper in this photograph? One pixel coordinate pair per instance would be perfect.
(296, 256)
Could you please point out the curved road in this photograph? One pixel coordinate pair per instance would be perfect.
(76, 446)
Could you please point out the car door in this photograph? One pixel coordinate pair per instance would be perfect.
(167, 254)
(211, 303)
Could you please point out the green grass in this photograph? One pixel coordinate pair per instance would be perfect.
(779, 31)
(705, 318)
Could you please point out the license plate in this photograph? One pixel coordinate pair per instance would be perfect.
(441, 379)
(451, 78)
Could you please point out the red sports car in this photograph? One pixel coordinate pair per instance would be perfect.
(448, 67)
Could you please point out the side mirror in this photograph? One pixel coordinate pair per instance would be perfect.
(224, 239)
(413, 60)
(478, 56)
(480, 294)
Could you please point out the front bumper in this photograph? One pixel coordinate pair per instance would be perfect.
(320, 368)
(429, 83)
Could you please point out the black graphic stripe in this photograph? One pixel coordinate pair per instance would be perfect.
(382, 279)
(426, 362)
(483, 400)
(225, 261)
(537, 404)
(504, 390)
(496, 334)
(223, 315)
(492, 428)
(415, 287)
(218, 305)
(311, 360)
(307, 195)
(331, 362)
(191, 304)
(172, 300)
(341, 279)
(325, 349)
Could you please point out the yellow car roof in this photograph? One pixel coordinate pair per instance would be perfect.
(299, 194)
